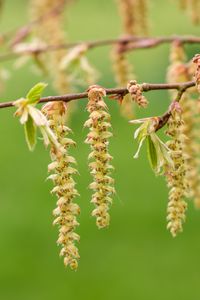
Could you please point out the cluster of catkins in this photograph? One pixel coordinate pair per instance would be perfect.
(178, 158)
(63, 170)
(183, 128)
(181, 71)
(181, 164)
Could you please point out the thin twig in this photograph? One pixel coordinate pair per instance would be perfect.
(181, 87)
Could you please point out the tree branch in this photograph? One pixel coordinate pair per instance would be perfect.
(130, 43)
(180, 87)
(165, 117)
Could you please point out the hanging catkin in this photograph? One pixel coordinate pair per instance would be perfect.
(62, 176)
(100, 167)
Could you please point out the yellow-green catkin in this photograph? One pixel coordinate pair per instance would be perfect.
(194, 120)
(50, 31)
(192, 7)
(134, 16)
(100, 167)
(142, 16)
(183, 4)
(134, 22)
(191, 145)
(123, 71)
(194, 11)
(127, 11)
(62, 168)
(176, 175)
(196, 61)
(180, 71)
(177, 70)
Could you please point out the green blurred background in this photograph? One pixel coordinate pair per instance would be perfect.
(135, 258)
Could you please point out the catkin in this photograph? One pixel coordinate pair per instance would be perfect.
(64, 185)
(196, 61)
(134, 16)
(127, 9)
(142, 16)
(135, 91)
(134, 22)
(50, 31)
(100, 167)
(176, 176)
(123, 71)
(192, 7)
(183, 4)
(195, 11)
(178, 69)
(191, 146)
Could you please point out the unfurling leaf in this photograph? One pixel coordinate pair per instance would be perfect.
(35, 93)
(162, 152)
(158, 153)
(139, 147)
(30, 133)
(140, 134)
(151, 152)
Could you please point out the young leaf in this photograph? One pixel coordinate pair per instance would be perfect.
(139, 147)
(152, 154)
(163, 153)
(35, 93)
(141, 134)
(30, 133)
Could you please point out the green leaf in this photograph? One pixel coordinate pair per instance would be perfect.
(35, 93)
(152, 154)
(30, 133)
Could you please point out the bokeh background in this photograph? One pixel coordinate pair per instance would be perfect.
(135, 258)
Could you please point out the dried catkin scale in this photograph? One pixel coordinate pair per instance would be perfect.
(135, 91)
(100, 167)
(62, 168)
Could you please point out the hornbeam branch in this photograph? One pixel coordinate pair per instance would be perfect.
(180, 87)
(129, 43)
